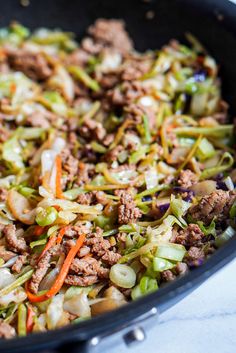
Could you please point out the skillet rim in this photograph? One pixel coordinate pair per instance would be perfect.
(164, 298)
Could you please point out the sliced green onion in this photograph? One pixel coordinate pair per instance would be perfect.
(26, 191)
(21, 325)
(82, 76)
(136, 156)
(179, 208)
(221, 131)
(56, 38)
(122, 275)
(161, 265)
(108, 233)
(232, 211)
(104, 222)
(148, 285)
(20, 30)
(152, 191)
(39, 242)
(30, 133)
(141, 251)
(174, 252)
(97, 147)
(225, 236)
(47, 216)
(224, 164)
(76, 290)
(136, 292)
(55, 102)
(147, 134)
(17, 283)
(205, 150)
(52, 230)
(72, 194)
(208, 230)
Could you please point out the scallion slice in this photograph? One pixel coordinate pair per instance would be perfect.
(123, 276)
(174, 252)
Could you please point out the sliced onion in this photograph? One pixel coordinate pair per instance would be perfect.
(66, 217)
(10, 262)
(50, 278)
(55, 311)
(18, 295)
(164, 168)
(20, 207)
(53, 176)
(44, 192)
(78, 305)
(58, 144)
(106, 305)
(71, 206)
(199, 103)
(7, 181)
(151, 178)
(6, 277)
(205, 187)
(47, 160)
(40, 324)
(229, 183)
(110, 61)
(114, 293)
(178, 154)
(63, 81)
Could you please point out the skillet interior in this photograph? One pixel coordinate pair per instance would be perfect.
(212, 21)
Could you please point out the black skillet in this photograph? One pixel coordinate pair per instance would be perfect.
(214, 23)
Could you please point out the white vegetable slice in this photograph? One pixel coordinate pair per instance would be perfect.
(78, 305)
(55, 311)
(123, 276)
(20, 207)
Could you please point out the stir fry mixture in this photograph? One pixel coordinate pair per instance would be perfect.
(116, 171)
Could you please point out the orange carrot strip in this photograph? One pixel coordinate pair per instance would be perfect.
(30, 319)
(61, 234)
(38, 230)
(59, 192)
(61, 277)
(45, 181)
(58, 208)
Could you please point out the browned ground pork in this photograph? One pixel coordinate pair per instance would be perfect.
(31, 64)
(127, 212)
(217, 204)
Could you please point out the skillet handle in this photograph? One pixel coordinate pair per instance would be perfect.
(128, 335)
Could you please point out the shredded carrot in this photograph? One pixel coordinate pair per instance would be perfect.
(59, 192)
(58, 208)
(38, 230)
(61, 277)
(88, 255)
(45, 181)
(13, 88)
(30, 319)
(50, 243)
(61, 234)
